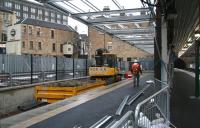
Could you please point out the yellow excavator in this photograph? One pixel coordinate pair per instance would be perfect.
(106, 66)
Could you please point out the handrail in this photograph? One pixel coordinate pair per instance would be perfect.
(128, 114)
(149, 98)
(41, 83)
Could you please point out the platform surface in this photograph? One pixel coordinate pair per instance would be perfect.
(90, 112)
(185, 112)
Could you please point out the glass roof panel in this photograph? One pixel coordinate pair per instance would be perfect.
(84, 6)
(130, 4)
(67, 7)
(102, 3)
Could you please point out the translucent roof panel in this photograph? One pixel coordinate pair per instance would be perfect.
(129, 4)
(81, 6)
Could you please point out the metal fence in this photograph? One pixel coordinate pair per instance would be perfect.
(153, 112)
(28, 69)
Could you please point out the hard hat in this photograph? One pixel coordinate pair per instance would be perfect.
(135, 61)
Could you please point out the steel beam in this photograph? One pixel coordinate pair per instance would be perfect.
(142, 44)
(122, 105)
(117, 20)
(117, 4)
(111, 12)
(137, 39)
(131, 31)
(50, 1)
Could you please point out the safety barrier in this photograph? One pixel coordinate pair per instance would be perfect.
(153, 112)
(53, 93)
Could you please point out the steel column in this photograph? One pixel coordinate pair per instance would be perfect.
(73, 68)
(157, 44)
(197, 68)
(31, 68)
(56, 68)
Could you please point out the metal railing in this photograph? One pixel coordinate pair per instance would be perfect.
(127, 121)
(153, 112)
(16, 70)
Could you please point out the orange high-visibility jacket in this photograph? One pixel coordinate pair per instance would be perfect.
(136, 68)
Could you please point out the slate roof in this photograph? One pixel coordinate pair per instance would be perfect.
(5, 10)
(46, 24)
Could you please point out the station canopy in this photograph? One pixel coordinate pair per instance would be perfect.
(129, 20)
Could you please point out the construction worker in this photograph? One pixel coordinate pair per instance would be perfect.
(136, 70)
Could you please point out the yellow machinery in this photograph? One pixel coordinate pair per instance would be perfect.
(106, 66)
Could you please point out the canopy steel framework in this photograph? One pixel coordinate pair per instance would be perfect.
(116, 21)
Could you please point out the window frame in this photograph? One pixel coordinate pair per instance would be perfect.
(52, 34)
(31, 45)
(39, 45)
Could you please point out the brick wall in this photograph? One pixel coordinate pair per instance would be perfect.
(121, 48)
(60, 37)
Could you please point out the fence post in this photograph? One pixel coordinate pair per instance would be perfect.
(86, 67)
(31, 68)
(73, 68)
(56, 68)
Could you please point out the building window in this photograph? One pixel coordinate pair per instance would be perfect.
(52, 14)
(39, 11)
(39, 45)
(46, 19)
(58, 16)
(25, 15)
(4, 37)
(61, 47)
(8, 4)
(38, 31)
(58, 21)
(31, 45)
(25, 8)
(5, 16)
(129, 59)
(23, 44)
(64, 22)
(33, 16)
(39, 14)
(30, 30)
(32, 10)
(17, 6)
(69, 49)
(64, 17)
(109, 47)
(54, 47)
(18, 14)
(53, 20)
(46, 13)
(52, 34)
(24, 29)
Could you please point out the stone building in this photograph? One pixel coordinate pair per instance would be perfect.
(30, 36)
(35, 10)
(123, 50)
(7, 17)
